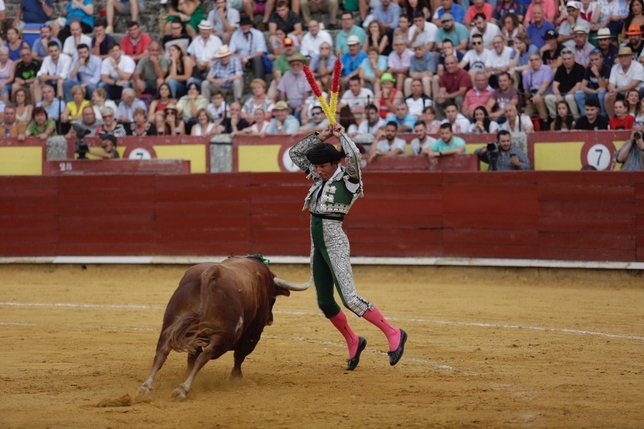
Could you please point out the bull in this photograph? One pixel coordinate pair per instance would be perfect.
(218, 307)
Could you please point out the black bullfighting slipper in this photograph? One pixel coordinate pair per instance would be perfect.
(354, 361)
(395, 356)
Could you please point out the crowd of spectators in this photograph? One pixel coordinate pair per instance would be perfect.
(409, 66)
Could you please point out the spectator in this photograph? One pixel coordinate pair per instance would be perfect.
(224, 20)
(621, 120)
(478, 96)
(635, 41)
(564, 120)
(429, 118)
(285, 18)
(372, 69)
(632, 102)
(387, 14)
(162, 99)
(84, 71)
(548, 8)
(203, 49)
(481, 122)
(76, 39)
(459, 123)
(422, 140)
(630, 154)
(259, 100)
(479, 7)
(6, 74)
(190, 104)
(476, 58)
(454, 83)
(422, 32)
(101, 40)
(414, 6)
(399, 62)
(403, 119)
(25, 74)
(204, 126)
(453, 31)
(510, 28)
(190, 14)
(624, 76)
(421, 66)
(100, 102)
(502, 96)
(581, 47)
(328, 7)
(226, 75)
(218, 109)
(486, 29)
(567, 81)
(116, 72)
(505, 157)
(389, 96)
(136, 43)
(348, 29)
(390, 145)
(249, 46)
(504, 7)
(351, 60)
(446, 50)
(77, 10)
(317, 123)
(110, 127)
(33, 12)
(283, 123)
(128, 104)
(447, 145)
(40, 126)
(372, 122)
(516, 124)
(571, 21)
(54, 70)
(53, 106)
(356, 97)
(233, 123)
(451, 8)
(251, 7)
(123, 7)
(74, 109)
(595, 82)
(140, 126)
(174, 121)
(345, 118)
(377, 38)
(311, 102)
(41, 44)
(314, 38)
(592, 120)
(539, 27)
(176, 37)
(281, 63)
(418, 100)
(108, 148)
(23, 106)
(15, 43)
(151, 71)
(523, 48)
(402, 30)
(611, 17)
(551, 51)
(294, 87)
(10, 127)
(260, 126)
(606, 47)
(180, 70)
(322, 65)
(88, 122)
(498, 61)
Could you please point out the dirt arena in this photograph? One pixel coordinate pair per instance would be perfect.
(487, 348)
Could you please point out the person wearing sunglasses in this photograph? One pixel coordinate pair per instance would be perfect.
(475, 58)
(317, 122)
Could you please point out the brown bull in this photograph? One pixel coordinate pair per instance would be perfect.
(217, 308)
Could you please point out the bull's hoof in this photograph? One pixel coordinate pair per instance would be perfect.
(354, 361)
(179, 394)
(143, 389)
(395, 356)
(236, 375)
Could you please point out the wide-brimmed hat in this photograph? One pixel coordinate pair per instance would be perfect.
(580, 29)
(281, 105)
(353, 40)
(633, 30)
(625, 52)
(223, 52)
(171, 106)
(387, 77)
(296, 57)
(604, 33)
(205, 25)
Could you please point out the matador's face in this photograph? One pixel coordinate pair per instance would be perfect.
(326, 170)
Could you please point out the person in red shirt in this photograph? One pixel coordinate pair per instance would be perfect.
(454, 83)
(622, 120)
(478, 6)
(136, 43)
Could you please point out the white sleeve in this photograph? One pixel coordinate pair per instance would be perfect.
(44, 68)
(432, 33)
(129, 65)
(105, 66)
(66, 66)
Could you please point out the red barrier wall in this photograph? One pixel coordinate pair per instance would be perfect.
(590, 216)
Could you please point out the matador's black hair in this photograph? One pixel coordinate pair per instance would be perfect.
(323, 153)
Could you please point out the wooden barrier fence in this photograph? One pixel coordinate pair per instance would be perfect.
(588, 216)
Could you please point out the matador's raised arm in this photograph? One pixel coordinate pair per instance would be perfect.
(299, 151)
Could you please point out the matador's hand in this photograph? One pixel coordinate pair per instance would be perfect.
(325, 133)
(338, 130)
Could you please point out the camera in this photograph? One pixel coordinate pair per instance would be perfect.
(637, 135)
(82, 149)
(492, 147)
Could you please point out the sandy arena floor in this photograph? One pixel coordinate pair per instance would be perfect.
(487, 348)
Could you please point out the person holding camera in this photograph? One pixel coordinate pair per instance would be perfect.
(631, 154)
(108, 148)
(501, 156)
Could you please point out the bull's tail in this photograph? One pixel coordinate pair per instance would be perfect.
(182, 335)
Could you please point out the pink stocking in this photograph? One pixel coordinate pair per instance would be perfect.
(392, 334)
(341, 324)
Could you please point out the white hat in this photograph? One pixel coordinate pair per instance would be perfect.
(205, 25)
(353, 40)
(574, 4)
(223, 52)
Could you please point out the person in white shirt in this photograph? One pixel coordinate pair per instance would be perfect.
(498, 60)
(77, 38)
(390, 145)
(203, 49)
(625, 75)
(422, 31)
(312, 40)
(372, 124)
(224, 20)
(516, 124)
(356, 97)
(53, 71)
(488, 30)
(476, 58)
(116, 72)
(422, 140)
(248, 44)
(459, 123)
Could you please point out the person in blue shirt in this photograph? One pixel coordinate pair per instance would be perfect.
(34, 12)
(351, 60)
(448, 6)
(403, 118)
(537, 30)
(448, 144)
(387, 14)
(81, 11)
(39, 48)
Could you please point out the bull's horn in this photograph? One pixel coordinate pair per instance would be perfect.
(292, 286)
